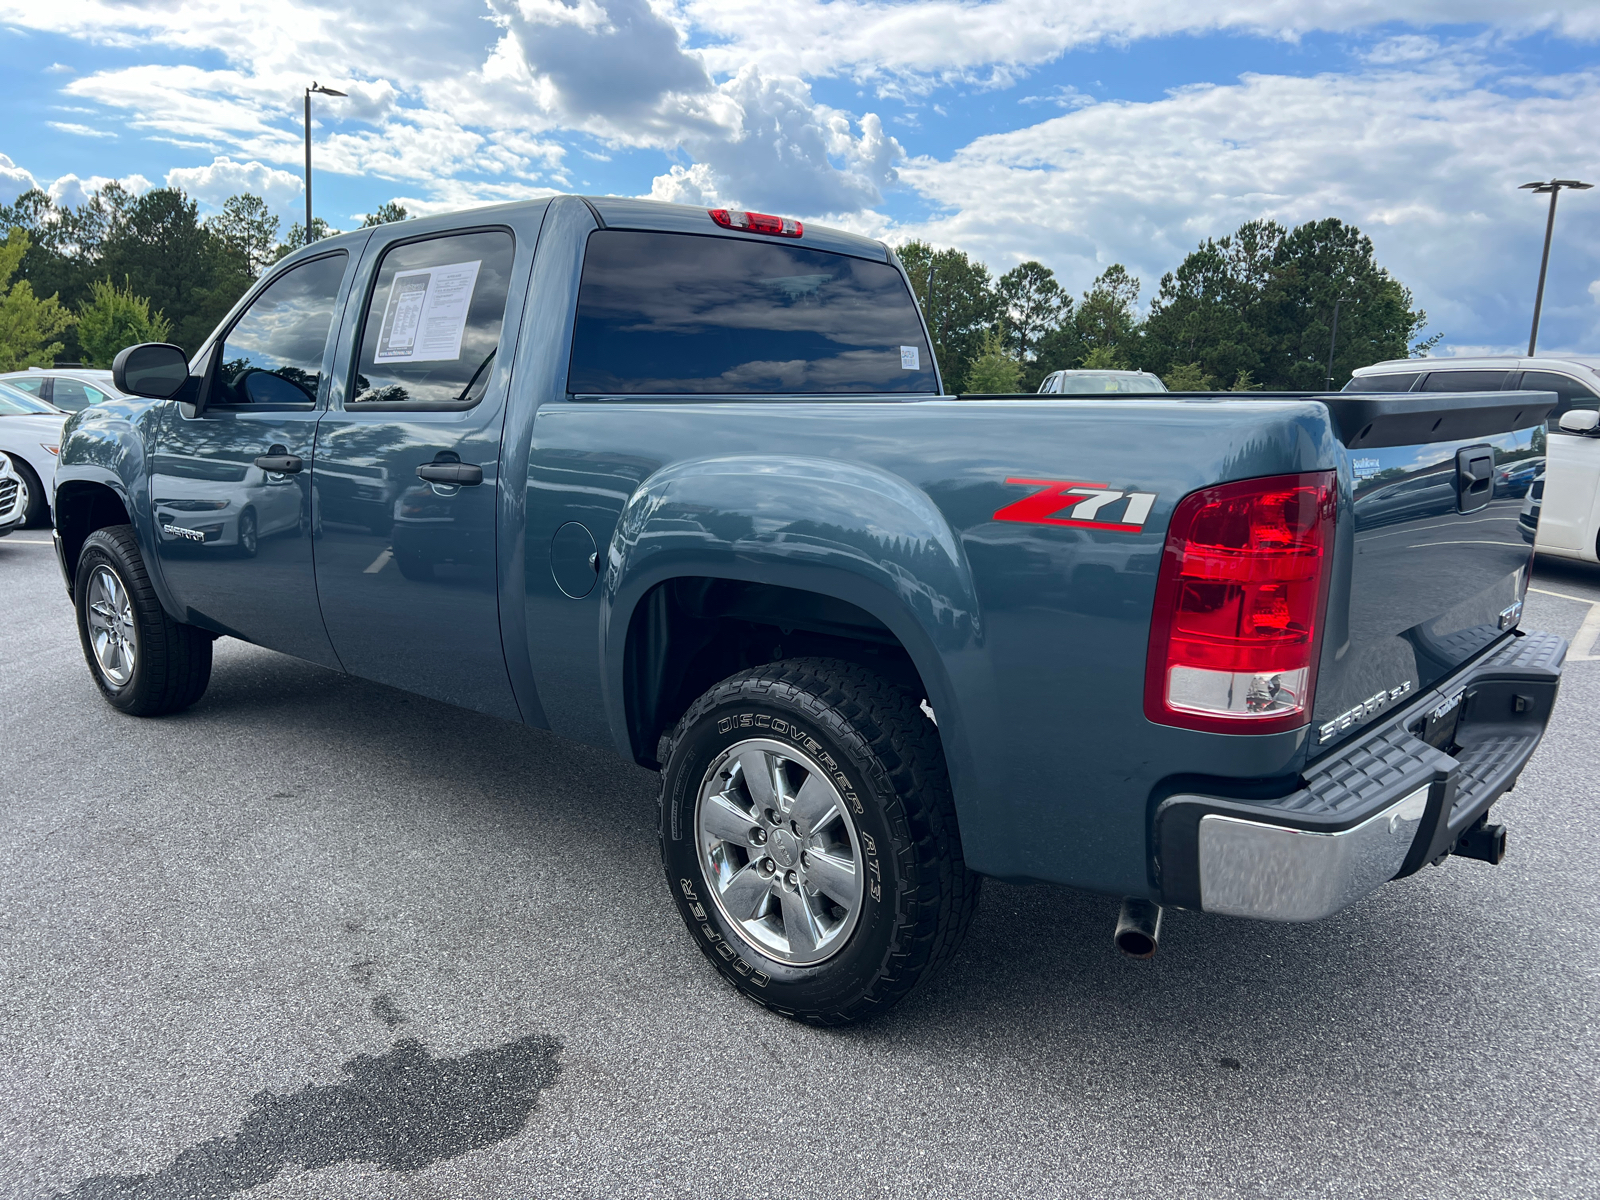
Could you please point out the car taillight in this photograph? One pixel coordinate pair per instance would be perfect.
(1239, 605)
(752, 222)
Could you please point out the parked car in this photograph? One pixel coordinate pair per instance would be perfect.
(13, 499)
(70, 389)
(1097, 383)
(1528, 518)
(683, 482)
(30, 432)
(1569, 522)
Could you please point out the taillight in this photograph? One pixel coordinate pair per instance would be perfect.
(733, 218)
(1239, 605)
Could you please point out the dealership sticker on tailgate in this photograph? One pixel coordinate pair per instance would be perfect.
(1081, 505)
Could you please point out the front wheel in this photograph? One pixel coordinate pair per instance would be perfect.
(810, 841)
(143, 661)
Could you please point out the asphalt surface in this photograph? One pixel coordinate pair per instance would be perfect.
(319, 938)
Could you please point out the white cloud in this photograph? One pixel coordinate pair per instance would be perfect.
(80, 130)
(69, 191)
(223, 178)
(14, 180)
(1424, 159)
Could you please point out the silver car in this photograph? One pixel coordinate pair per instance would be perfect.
(13, 497)
(71, 389)
(1100, 383)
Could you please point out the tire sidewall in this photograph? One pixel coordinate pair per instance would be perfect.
(38, 506)
(97, 553)
(841, 980)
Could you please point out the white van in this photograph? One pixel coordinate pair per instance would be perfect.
(1564, 501)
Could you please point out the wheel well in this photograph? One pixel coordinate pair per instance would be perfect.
(689, 633)
(80, 509)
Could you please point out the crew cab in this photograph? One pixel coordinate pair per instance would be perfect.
(684, 483)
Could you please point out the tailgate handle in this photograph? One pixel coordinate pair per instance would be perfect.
(1474, 478)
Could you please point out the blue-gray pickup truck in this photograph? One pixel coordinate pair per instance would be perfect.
(684, 482)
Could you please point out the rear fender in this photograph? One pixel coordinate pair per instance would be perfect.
(838, 529)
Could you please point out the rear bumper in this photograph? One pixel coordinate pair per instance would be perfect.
(1378, 808)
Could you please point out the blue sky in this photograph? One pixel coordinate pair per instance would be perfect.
(1107, 131)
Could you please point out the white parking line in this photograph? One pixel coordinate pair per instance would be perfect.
(1583, 642)
(13, 540)
(379, 563)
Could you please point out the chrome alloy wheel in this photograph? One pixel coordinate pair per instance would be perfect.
(779, 851)
(109, 612)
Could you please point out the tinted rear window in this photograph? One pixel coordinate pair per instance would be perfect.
(1382, 383)
(679, 314)
(1465, 381)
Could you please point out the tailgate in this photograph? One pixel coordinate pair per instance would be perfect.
(1438, 566)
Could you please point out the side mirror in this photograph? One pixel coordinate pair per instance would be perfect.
(156, 370)
(1580, 420)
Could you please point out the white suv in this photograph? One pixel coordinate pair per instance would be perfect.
(1565, 499)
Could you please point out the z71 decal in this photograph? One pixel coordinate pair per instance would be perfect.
(1081, 505)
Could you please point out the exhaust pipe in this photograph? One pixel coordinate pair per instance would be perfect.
(1138, 928)
(1484, 842)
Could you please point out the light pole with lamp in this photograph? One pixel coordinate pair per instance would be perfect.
(325, 91)
(1553, 189)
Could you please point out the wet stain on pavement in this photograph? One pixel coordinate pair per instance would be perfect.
(401, 1110)
(385, 1009)
(1231, 1064)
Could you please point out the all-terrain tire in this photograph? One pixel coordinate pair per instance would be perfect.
(883, 756)
(171, 662)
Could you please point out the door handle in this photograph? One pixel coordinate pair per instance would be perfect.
(464, 474)
(280, 464)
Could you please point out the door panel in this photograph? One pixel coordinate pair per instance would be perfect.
(406, 566)
(234, 538)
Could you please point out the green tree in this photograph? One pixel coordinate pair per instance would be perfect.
(386, 213)
(1312, 266)
(1188, 377)
(249, 229)
(28, 325)
(187, 270)
(296, 237)
(115, 318)
(1033, 307)
(1108, 318)
(959, 303)
(995, 370)
(1103, 358)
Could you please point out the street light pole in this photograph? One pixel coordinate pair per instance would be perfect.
(1553, 188)
(326, 91)
(1333, 339)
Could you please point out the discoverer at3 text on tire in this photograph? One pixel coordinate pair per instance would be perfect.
(809, 838)
(143, 661)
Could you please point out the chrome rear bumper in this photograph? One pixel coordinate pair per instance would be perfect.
(1378, 808)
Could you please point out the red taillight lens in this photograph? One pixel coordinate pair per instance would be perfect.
(753, 222)
(1239, 605)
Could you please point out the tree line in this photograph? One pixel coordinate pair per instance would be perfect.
(77, 284)
(1253, 309)
(1250, 310)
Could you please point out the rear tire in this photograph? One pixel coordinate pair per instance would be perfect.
(758, 870)
(143, 662)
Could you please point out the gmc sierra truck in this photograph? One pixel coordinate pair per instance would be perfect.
(684, 482)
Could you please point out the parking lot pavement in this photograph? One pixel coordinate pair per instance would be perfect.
(321, 939)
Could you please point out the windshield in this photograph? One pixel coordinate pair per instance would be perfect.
(14, 401)
(1091, 383)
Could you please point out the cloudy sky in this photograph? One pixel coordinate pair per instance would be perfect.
(1078, 132)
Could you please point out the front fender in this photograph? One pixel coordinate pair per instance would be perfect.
(106, 445)
(839, 529)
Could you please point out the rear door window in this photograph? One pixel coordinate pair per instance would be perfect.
(75, 395)
(433, 321)
(682, 314)
(272, 357)
(1465, 381)
(1573, 393)
(1399, 382)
